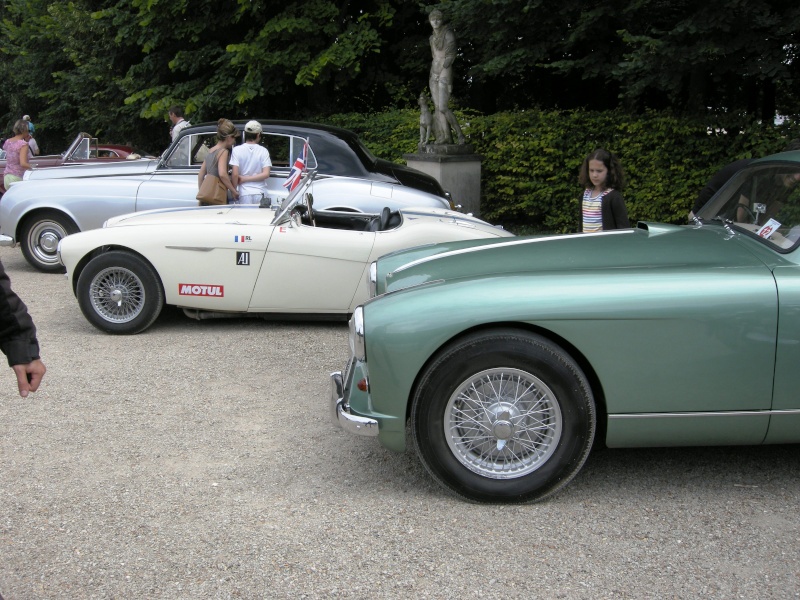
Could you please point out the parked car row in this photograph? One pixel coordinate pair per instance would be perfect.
(53, 203)
(510, 358)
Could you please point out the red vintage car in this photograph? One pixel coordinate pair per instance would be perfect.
(83, 149)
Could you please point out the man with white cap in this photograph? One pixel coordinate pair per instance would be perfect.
(31, 126)
(251, 165)
(31, 142)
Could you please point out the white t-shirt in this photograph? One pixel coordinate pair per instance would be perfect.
(178, 127)
(251, 160)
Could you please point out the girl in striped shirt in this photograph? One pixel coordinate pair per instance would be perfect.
(603, 207)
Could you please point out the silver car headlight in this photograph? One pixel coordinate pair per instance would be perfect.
(358, 347)
(373, 279)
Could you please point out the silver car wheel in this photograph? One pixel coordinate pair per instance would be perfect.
(117, 294)
(502, 423)
(43, 240)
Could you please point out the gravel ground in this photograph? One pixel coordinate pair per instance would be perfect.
(196, 460)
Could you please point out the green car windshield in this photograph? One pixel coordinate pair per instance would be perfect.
(763, 201)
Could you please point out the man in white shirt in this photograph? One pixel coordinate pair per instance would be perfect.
(178, 122)
(251, 165)
(33, 146)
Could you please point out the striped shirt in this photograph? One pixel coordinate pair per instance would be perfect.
(592, 211)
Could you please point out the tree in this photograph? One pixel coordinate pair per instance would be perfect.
(736, 56)
(99, 63)
(263, 59)
(726, 55)
(113, 67)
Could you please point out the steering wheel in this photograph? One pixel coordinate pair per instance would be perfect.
(743, 207)
(384, 218)
(297, 215)
(310, 204)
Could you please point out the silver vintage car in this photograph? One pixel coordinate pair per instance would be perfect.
(83, 149)
(53, 203)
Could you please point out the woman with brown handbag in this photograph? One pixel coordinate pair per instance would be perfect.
(213, 180)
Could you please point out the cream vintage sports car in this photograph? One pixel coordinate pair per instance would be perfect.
(234, 260)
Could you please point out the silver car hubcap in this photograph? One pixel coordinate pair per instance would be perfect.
(503, 423)
(117, 295)
(43, 240)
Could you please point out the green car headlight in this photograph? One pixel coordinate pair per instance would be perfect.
(358, 346)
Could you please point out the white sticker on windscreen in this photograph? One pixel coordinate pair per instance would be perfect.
(768, 229)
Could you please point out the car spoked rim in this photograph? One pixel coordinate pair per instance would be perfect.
(503, 423)
(117, 295)
(43, 240)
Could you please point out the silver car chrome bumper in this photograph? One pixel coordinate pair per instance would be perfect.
(6, 240)
(340, 412)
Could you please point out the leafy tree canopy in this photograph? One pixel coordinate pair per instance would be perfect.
(113, 67)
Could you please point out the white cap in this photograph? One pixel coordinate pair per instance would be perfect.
(252, 127)
(26, 117)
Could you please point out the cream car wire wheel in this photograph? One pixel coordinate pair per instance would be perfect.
(502, 423)
(117, 294)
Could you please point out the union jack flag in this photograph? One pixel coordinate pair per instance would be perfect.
(297, 169)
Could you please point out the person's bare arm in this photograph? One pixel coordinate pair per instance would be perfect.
(257, 177)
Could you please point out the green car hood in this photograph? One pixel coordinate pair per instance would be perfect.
(649, 246)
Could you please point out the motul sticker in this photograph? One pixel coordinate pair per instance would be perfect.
(191, 289)
(239, 239)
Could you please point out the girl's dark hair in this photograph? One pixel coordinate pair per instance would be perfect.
(616, 176)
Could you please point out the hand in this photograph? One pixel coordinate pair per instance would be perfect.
(29, 376)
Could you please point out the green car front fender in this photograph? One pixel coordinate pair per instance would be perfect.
(655, 340)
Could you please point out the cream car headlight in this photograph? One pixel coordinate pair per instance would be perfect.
(358, 347)
(373, 279)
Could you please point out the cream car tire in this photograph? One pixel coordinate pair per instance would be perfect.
(120, 293)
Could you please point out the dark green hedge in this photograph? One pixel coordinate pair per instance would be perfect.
(531, 158)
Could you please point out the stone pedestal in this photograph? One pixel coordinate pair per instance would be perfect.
(456, 168)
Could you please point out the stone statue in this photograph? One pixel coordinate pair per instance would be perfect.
(425, 120)
(443, 51)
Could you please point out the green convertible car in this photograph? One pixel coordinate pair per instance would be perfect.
(512, 357)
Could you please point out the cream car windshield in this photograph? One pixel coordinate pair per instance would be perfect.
(296, 197)
(762, 201)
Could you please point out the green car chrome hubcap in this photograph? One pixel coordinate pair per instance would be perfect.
(503, 423)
